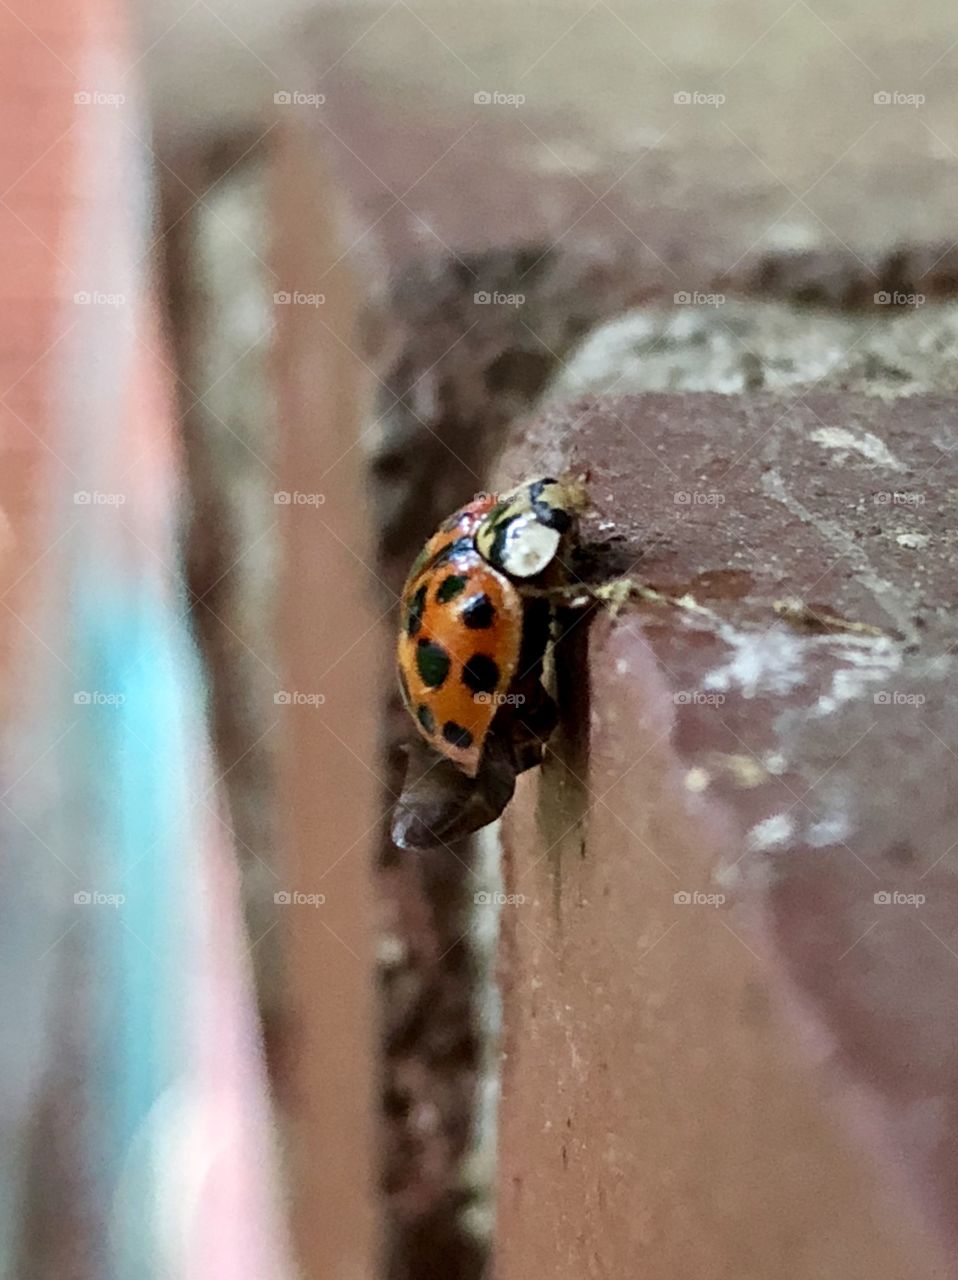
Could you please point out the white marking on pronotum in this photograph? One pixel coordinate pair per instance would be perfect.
(862, 442)
(770, 833)
(530, 546)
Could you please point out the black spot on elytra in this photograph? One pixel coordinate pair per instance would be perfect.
(426, 718)
(480, 674)
(432, 663)
(416, 605)
(479, 613)
(450, 587)
(456, 735)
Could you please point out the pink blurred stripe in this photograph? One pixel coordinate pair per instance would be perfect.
(208, 1139)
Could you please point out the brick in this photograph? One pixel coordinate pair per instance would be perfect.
(742, 767)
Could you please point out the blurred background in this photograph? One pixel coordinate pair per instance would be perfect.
(283, 287)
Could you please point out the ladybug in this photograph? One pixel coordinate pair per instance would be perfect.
(476, 615)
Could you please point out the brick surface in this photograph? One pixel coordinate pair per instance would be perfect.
(753, 777)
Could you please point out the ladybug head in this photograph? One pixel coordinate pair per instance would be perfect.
(524, 531)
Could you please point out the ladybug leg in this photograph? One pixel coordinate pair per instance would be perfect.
(615, 594)
(535, 719)
(530, 714)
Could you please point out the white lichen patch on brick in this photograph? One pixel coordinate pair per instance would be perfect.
(868, 660)
(864, 443)
(744, 771)
(770, 661)
(913, 541)
(697, 779)
(770, 833)
(776, 662)
(830, 830)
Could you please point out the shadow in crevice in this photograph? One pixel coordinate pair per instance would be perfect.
(562, 808)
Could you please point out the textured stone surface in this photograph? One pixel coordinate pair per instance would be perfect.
(732, 344)
(752, 790)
